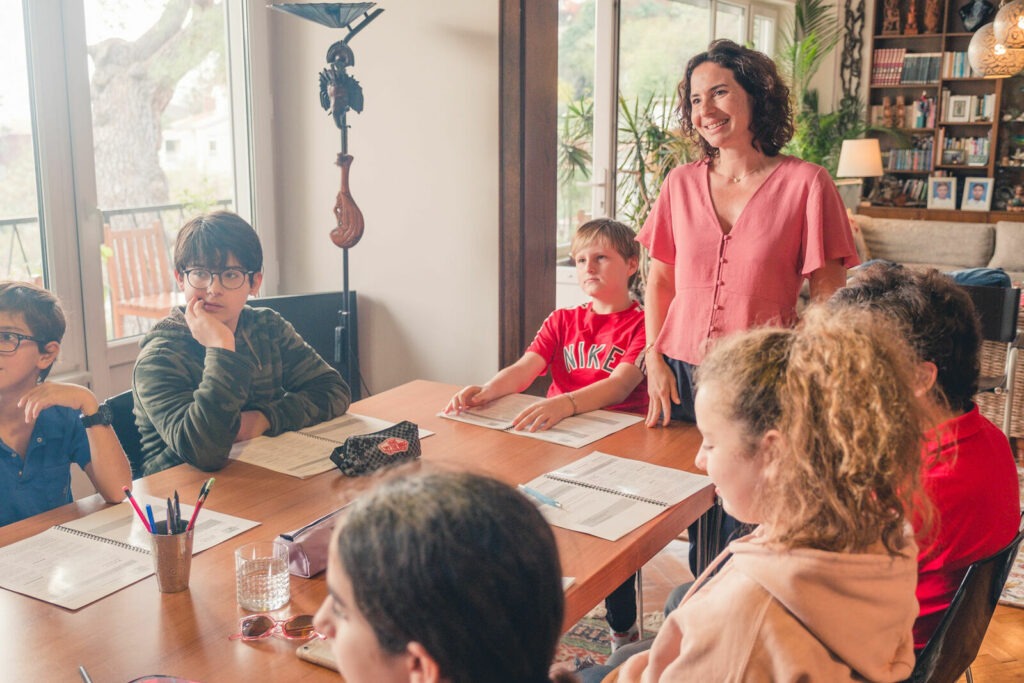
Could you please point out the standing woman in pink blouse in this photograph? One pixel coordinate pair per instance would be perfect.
(733, 235)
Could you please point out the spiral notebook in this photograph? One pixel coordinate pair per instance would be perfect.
(78, 562)
(576, 431)
(608, 496)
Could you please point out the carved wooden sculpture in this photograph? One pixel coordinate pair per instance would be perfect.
(931, 16)
(349, 230)
(891, 17)
(911, 27)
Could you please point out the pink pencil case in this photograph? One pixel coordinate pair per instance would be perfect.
(307, 546)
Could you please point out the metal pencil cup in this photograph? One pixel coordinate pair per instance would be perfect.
(172, 558)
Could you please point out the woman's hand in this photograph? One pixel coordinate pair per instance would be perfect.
(544, 415)
(662, 390)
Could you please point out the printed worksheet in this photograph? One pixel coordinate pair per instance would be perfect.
(576, 431)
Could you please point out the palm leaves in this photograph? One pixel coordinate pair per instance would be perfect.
(806, 41)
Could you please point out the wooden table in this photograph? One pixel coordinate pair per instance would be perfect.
(139, 631)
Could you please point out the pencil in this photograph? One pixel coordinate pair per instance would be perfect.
(203, 493)
(131, 499)
(152, 522)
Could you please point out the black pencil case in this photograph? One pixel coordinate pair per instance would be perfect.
(366, 453)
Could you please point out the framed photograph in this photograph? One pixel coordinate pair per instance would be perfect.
(942, 193)
(959, 109)
(977, 194)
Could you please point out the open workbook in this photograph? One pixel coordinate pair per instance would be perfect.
(608, 496)
(576, 431)
(81, 561)
(306, 452)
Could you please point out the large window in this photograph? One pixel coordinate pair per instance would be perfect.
(619, 62)
(115, 126)
(20, 231)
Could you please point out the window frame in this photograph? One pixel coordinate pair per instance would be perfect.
(70, 220)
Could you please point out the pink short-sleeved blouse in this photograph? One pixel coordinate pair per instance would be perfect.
(791, 227)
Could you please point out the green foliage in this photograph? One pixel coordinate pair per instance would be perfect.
(819, 137)
(574, 141)
(650, 145)
(806, 40)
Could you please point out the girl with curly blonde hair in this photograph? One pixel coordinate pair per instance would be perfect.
(814, 434)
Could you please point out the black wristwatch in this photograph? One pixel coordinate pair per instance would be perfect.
(103, 416)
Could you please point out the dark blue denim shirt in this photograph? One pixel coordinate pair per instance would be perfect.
(42, 480)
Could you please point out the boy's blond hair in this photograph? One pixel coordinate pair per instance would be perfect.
(40, 309)
(615, 234)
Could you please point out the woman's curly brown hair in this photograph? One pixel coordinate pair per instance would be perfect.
(839, 389)
(771, 119)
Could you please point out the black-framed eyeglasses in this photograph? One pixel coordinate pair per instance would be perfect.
(230, 278)
(10, 341)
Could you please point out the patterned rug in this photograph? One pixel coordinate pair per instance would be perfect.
(1013, 591)
(589, 637)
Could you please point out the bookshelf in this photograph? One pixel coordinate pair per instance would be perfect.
(942, 118)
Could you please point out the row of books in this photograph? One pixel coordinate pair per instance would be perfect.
(970, 151)
(955, 65)
(915, 190)
(909, 159)
(896, 66)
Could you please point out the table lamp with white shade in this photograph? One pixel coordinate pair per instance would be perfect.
(858, 159)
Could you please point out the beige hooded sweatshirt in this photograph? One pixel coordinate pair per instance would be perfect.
(799, 615)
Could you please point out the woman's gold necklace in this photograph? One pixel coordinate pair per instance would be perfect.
(737, 178)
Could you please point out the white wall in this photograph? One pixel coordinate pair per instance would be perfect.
(425, 176)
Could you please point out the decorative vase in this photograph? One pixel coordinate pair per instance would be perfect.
(975, 13)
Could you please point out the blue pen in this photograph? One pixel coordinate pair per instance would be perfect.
(547, 500)
(152, 521)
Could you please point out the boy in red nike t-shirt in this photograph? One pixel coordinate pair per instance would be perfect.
(593, 351)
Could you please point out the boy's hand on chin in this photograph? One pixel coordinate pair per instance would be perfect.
(206, 329)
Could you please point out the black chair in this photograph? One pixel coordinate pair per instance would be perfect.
(316, 318)
(123, 407)
(956, 640)
(998, 309)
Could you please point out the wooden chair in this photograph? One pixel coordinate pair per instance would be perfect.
(139, 272)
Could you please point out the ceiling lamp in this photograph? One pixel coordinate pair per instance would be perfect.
(1009, 25)
(991, 58)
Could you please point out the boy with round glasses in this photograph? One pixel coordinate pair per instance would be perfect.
(219, 371)
(46, 426)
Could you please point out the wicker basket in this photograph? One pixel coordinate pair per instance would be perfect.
(993, 360)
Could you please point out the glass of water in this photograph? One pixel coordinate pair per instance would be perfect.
(261, 576)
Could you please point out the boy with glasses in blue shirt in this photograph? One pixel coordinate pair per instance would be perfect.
(219, 371)
(46, 426)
